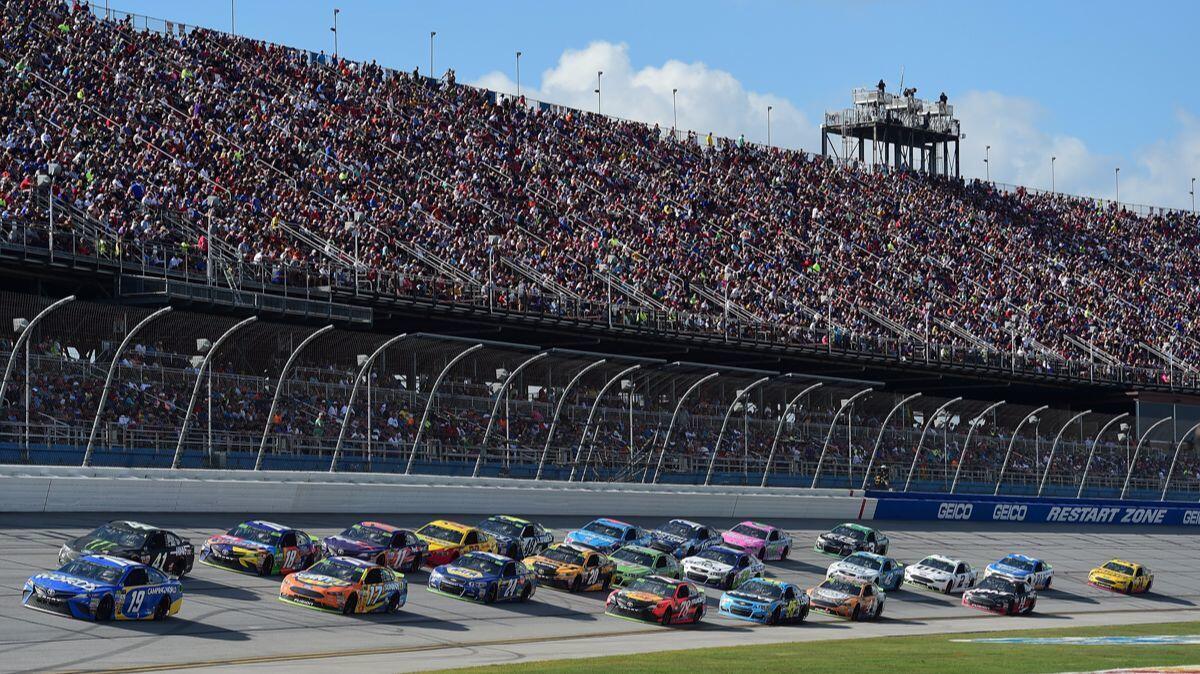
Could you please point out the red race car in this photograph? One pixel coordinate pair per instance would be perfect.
(667, 601)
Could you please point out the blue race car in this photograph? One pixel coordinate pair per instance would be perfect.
(606, 535)
(1023, 567)
(485, 577)
(683, 538)
(767, 601)
(100, 588)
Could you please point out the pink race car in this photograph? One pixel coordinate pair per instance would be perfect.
(761, 540)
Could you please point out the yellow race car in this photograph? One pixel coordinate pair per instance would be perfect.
(450, 540)
(1118, 575)
(573, 567)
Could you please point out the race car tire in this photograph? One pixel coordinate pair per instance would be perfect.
(803, 614)
(784, 555)
(104, 610)
(883, 550)
(415, 565)
(350, 605)
(1148, 586)
(854, 615)
(1012, 608)
(1030, 609)
(773, 619)
(489, 597)
(393, 604)
(268, 564)
(381, 560)
(668, 617)
(700, 614)
(949, 587)
(1048, 582)
(163, 609)
(176, 568)
(576, 584)
(727, 583)
(525, 592)
(607, 583)
(878, 612)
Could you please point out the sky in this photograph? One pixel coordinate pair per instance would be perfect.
(1100, 85)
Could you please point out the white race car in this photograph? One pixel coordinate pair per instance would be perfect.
(722, 566)
(941, 574)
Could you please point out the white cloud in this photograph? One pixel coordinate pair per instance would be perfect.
(1156, 175)
(708, 99)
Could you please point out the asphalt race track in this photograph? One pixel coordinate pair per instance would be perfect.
(231, 621)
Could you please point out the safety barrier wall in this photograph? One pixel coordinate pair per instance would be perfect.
(62, 489)
(985, 508)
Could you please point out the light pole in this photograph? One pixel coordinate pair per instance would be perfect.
(213, 202)
(1052, 160)
(432, 34)
(987, 162)
(336, 11)
(232, 18)
(598, 74)
(675, 126)
(1193, 193)
(518, 74)
(769, 109)
(1117, 185)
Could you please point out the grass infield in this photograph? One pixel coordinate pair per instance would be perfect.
(900, 655)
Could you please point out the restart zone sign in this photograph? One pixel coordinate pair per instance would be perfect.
(974, 508)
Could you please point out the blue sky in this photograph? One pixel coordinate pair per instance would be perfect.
(1098, 84)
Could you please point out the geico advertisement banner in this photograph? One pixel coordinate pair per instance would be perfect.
(979, 510)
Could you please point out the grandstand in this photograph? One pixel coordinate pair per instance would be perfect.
(695, 288)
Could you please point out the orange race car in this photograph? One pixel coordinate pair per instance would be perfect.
(847, 599)
(572, 567)
(346, 585)
(450, 540)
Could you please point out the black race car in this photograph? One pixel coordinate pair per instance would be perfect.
(998, 594)
(134, 541)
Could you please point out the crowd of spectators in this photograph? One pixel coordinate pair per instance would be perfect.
(322, 166)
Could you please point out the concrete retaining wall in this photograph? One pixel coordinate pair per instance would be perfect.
(62, 489)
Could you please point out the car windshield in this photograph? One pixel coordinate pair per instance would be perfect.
(1119, 568)
(484, 565)
(998, 584)
(565, 555)
(652, 586)
(250, 532)
(631, 556)
(120, 535)
(840, 586)
(441, 533)
(85, 568)
(761, 588)
(604, 529)
(939, 564)
(864, 561)
(367, 534)
(850, 532)
(675, 528)
(719, 555)
(1017, 563)
(502, 528)
(336, 569)
(747, 530)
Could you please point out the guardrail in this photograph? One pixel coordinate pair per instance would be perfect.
(58, 489)
(962, 507)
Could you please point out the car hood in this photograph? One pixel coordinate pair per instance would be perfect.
(464, 573)
(742, 540)
(831, 595)
(1110, 575)
(631, 569)
(839, 538)
(317, 580)
(591, 538)
(227, 541)
(436, 545)
(928, 572)
(709, 565)
(92, 545)
(991, 596)
(1009, 570)
(350, 546)
(751, 598)
(67, 584)
(642, 597)
(853, 570)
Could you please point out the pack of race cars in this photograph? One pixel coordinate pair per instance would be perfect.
(132, 571)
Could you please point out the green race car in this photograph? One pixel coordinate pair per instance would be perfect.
(636, 561)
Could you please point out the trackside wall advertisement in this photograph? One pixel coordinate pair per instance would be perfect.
(977, 508)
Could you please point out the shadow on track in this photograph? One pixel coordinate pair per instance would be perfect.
(208, 588)
(1059, 595)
